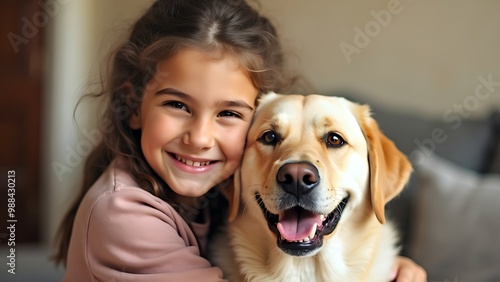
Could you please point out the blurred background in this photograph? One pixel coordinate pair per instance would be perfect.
(433, 60)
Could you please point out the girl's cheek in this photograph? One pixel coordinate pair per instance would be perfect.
(237, 143)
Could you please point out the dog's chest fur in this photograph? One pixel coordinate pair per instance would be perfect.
(251, 256)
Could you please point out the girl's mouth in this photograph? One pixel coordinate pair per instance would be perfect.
(193, 163)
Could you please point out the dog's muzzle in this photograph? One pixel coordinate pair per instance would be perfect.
(298, 227)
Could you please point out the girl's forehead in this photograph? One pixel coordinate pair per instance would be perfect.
(193, 71)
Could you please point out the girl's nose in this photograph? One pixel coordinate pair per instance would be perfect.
(200, 134)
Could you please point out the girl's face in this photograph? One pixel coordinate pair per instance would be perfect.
(194, 118)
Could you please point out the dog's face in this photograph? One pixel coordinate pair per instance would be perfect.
(312, 162)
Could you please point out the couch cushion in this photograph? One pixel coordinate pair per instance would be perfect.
(456, 226)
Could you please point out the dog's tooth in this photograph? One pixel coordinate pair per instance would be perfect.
(321, 217)
(313, 231)
(307, 239)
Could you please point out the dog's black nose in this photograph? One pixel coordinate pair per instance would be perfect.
(298, 178)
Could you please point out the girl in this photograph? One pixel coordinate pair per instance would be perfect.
(181, 96)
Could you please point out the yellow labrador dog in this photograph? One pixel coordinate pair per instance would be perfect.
(308, 202)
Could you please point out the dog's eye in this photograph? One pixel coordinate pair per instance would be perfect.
(268, 138)
(334, 140)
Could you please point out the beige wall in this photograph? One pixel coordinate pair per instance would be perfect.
(426, 59)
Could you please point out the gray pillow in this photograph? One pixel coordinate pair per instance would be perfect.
(456, 226)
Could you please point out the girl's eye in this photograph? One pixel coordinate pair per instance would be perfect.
(229, 114)
(176, 104)
(334, 140)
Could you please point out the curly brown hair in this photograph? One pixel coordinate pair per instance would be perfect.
(219, 27)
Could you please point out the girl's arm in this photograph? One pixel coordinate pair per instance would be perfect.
(133, 236)
(406, 270)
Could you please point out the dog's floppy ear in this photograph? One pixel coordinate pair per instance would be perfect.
(389, 167)
(232, 194)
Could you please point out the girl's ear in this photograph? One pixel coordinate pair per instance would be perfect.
(135, 119)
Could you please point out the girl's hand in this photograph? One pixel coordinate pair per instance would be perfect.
(406, 270)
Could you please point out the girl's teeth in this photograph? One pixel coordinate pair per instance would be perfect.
(190, 162)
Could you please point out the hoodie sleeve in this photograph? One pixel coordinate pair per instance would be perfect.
(134, 236)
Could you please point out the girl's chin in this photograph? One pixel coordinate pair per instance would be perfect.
(192, 189)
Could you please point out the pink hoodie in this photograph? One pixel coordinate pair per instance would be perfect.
(124, 233)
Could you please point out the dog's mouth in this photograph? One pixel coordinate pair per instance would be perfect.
(301, 231)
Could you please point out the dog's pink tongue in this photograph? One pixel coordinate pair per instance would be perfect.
(296, 224)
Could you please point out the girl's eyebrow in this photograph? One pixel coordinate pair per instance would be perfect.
(238, 103)
(175, 92)
(182, 95)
